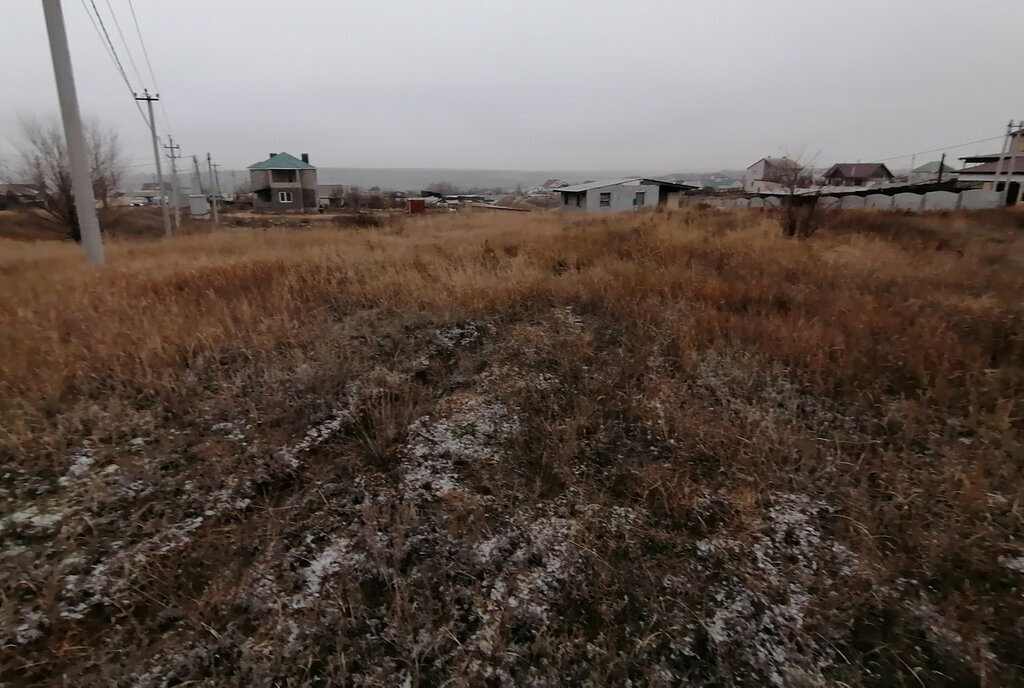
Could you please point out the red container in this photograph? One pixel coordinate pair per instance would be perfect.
(416, 205)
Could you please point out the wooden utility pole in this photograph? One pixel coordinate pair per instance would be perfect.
(209, 164)
(156, 155)
(174, 155)
(942, 164)
(81, 179)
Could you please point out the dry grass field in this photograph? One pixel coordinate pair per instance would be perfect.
(641, 449)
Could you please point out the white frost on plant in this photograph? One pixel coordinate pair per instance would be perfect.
(762, 605)
(78, 467)
(1013, 563)
(471, 429)
(568, 317)
(33, 519)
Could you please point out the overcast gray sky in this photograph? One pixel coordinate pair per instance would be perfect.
(659, 85)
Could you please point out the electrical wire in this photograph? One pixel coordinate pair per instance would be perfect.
(938, 150)
(109, 47)
(127, 49)
(113, 51)
(149, 65)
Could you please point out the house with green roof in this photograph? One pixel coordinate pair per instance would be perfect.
(929, 172)
(284, 184)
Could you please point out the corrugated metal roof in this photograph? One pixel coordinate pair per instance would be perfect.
(932, 168)
(282, 161)
(587, 186)
(781, 163)
(859, 170)
(990, 167)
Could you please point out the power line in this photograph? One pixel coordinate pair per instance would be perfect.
(110, 43)
(109, 47)
(127, 50)
(937, 150)
(149, 65)
(97, 29)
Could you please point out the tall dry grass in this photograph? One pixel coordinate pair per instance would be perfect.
(708, 368)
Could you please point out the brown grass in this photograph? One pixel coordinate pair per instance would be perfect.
(661, 448)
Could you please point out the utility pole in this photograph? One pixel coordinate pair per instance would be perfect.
(1011, 164)
(156, 154)
(942, 164)
(209, 164)
(81, 179)
(174, 155)
(999, 163)
(216, 179)
(197, 187)
(197, 180)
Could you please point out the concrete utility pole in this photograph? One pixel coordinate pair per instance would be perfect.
(209, 164)
(1011, 159)
(216, 179)
(174, 155)
(81, 179)
(156, 155)
(999, 164)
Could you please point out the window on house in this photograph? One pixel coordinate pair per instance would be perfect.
(287, 176)
(606, 199)
(284, 196)
(565, 199)
(640, 198)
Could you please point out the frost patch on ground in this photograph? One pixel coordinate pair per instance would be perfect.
(468, 429)
(761, 603)
(569, 318)
(765, 394)
(33, 520)
(532, 562)
(1013, 563)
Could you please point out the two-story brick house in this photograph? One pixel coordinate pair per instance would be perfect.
(284, 184)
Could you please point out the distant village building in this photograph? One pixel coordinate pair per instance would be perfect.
(858, 174)
(722, 185)
(18, 196)
(929, 172)
(773, 174)
(331, 195)
(550, 186)
(1009, 167)
(284, 184)
(622, 194)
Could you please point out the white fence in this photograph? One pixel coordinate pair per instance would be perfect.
(973, 199)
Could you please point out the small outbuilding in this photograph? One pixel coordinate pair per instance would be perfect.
(631, 193)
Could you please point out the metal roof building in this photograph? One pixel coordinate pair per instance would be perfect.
(630, 193)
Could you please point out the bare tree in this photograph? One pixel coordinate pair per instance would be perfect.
(443, 188)
(800, 199)
(337, 196)
(42, 161)
(354, 198)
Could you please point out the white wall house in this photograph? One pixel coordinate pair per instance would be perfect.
(773, 174)
(622, 194)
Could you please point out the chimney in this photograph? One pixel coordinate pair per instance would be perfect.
(271, 155)
(305, 158)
